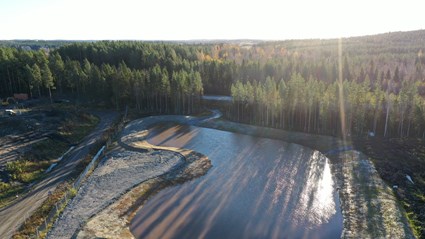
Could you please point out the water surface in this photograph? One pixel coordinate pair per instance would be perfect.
(217, 97)
(257, 188)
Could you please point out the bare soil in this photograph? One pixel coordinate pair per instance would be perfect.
(394, 159)
(20, 134)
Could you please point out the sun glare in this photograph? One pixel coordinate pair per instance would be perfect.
(317, 196)
(188, 19)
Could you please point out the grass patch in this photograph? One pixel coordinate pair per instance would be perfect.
(48, 149)
(203, 113)
(410, 206)
(77, 128)
(414, 223)
(8, 193)
(420, 196)
(22, 173)
(26, 171)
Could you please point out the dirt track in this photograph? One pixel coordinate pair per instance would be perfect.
(12, 216)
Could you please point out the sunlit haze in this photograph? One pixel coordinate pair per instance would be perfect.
(205, 19)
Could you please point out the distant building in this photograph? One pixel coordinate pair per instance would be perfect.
(20, 96)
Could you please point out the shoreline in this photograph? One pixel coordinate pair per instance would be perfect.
(114, 221)
(369, 206)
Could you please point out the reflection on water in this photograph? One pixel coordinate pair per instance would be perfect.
(257, 188)
(317, 196)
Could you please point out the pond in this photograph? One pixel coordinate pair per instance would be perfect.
(257, 188)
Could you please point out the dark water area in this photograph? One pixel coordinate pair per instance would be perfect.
(257, 188)
(217, 98)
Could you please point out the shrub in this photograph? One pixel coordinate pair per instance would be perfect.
(73, 192)
(4, 187)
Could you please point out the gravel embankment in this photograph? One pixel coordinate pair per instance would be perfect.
(369, 206)
(117, 174)
(114, 221)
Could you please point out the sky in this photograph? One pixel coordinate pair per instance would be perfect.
(205, 19)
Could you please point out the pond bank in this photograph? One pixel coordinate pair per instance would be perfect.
(369, 207)
(113, 221)
(116, 175)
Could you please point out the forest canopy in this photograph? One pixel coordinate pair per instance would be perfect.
(292, 84)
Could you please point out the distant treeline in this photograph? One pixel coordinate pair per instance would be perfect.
(34, 44)
(285, 84)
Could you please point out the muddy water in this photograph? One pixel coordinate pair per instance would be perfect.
(257, 188)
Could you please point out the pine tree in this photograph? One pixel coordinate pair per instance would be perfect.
(47, 80)
(36, 79)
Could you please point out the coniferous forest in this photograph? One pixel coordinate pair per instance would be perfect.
(376, 83)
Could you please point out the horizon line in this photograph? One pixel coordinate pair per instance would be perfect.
(212, 39)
